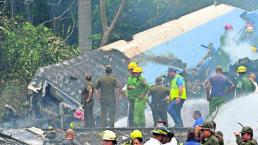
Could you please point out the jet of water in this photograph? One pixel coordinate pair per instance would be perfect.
(242, 110)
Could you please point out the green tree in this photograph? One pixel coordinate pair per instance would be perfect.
(137, 16)
(107, 29)
(63, 16)
(24, 48)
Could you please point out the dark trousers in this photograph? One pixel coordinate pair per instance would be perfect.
(214, 106)
(108, 109)
(88, 115)
(131, 111)
(159, 113)
(174, 110)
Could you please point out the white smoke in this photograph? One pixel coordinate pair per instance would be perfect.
(242, 110)
(237, 49)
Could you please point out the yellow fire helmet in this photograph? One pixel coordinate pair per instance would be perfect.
(241, 69)
(253, 49)
(108, 135)
(141, 71)
(249, 29)
(161, 130)
(132, 65)
(72, 125)
(136, 134)
(137, 70)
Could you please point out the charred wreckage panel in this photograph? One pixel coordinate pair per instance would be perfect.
(62, 83)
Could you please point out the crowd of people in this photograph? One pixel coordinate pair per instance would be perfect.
(201, 134)
(137, 91)
(166, 99)
(162, 99)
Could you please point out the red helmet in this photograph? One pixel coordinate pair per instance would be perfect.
(79, 114)
(228, 27)
(249, 25)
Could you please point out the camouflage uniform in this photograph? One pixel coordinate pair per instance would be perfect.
(244, 86)
(219, 135)
(158, 103)
(250, 142)
(107, 86)
(212, 139)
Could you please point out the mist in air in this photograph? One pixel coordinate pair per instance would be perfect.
(237, 49)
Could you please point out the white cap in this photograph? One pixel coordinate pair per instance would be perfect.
(108, 135)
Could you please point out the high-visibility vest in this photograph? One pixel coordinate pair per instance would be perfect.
(174, 92)
(131, 82)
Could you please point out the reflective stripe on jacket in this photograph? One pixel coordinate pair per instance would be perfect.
(174, 92)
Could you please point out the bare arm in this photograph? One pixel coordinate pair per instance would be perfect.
(180, 84)
(118, 89)
(98, 94)
(208, 89)
(130, 87)
(178, 99)
(31, 97)
(90, 96)
(180, 91)
(118, 92)
(148, 95)
(148, 92)
(238, 139)
(232, 86)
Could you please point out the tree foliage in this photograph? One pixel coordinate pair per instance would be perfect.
(58, 15)
(107, 28)
(24, 48)
(139, 15)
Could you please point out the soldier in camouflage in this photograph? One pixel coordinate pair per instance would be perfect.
(218, 134)
(246, 137)
(207, 134)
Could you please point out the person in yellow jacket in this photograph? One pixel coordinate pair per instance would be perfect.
(130, 86)
(177, 96)
(140, 91)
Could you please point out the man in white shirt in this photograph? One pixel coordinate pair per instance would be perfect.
(171, 139)
(158, 136)
(252, 78)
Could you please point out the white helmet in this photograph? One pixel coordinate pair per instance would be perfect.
(108, 135)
